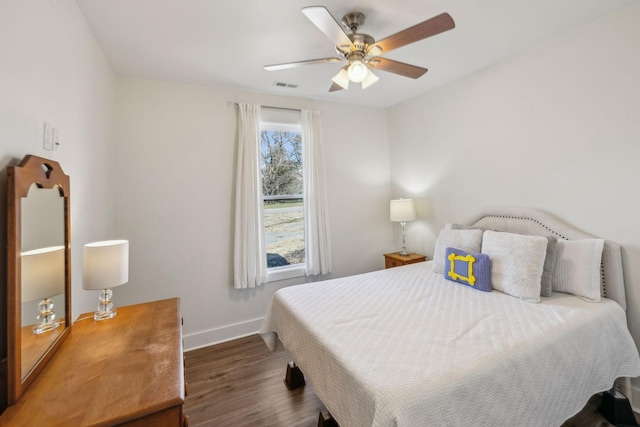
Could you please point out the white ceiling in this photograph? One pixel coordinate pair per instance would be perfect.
(227, 43)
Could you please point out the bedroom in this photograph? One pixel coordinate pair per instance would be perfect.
(558, 120)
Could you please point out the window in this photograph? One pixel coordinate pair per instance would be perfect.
(281, 167)
(294, 185)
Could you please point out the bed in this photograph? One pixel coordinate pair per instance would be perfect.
(407, 347)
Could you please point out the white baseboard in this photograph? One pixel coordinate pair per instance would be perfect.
(220, 335)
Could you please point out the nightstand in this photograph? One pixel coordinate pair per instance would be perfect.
(396, 260)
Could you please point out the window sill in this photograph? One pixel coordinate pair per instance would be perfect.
(286, 272)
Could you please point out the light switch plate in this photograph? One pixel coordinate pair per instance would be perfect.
(48, 137)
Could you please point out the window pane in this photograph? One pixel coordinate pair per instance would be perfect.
(284, 232)
(281, 164)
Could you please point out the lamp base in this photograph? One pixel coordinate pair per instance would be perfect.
(41, 328)
(104, 315)
(404, 252)
(47, 318)
(105, 308)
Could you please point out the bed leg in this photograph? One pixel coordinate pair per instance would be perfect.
(326, 420)
(294, 378)
(615, 407)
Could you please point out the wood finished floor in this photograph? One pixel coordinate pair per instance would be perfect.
(240, 383)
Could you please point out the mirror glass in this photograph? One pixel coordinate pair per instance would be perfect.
(38, 269)
(42, 244)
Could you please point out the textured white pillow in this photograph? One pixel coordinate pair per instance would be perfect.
(467, 240)
(578, 268)
(517, 262)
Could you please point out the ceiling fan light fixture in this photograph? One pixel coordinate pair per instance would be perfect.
(341, 79)
(361, 51)
(357, 71)
(369, 80)
(374, 50)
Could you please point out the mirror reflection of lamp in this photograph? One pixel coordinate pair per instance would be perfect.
(106, 265)
(42, 278)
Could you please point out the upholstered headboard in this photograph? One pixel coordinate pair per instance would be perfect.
(537, 222)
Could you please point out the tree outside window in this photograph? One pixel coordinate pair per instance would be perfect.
(281, 168)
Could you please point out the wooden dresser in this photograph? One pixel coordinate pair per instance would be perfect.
(128, 370)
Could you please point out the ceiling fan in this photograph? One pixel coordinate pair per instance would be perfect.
(361, 51)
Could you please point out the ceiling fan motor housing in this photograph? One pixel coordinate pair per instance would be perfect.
(360, 44)
(353, 20)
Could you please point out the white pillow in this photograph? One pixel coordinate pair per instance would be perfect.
(517, 262)
(467, 240)
(578, 268)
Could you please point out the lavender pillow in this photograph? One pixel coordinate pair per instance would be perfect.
(469, 269)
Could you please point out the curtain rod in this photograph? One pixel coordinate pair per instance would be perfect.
(269, 106)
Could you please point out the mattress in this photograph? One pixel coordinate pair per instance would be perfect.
(405, 347)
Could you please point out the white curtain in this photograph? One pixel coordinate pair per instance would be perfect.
(249, 259)
(316, 213)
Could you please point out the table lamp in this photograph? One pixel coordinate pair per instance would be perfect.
(106, 265)
(42, 278)
(402, 211)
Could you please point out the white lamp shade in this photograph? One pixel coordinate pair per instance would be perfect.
(369, 80)
(402, 210)
(106, 264)
(42, 273)
(341, 79)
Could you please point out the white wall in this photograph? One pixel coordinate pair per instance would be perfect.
(172, 167)
(556, 127)
(175, 201)
(52, 69)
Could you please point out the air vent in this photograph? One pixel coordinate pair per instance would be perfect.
(281, 84)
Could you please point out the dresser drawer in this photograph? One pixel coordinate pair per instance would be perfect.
(396, 260)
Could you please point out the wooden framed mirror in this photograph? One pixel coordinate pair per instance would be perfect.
(38, 268)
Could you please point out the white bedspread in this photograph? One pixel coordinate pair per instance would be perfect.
(405, 347)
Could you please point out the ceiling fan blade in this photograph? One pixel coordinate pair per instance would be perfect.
(428, 28)
(335, 87)
(391, 66)
(285, 66)
(321, 18)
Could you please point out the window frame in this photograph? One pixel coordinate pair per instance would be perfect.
(283, 272)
